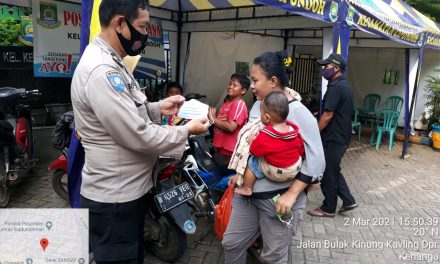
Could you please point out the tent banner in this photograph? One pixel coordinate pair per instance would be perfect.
(386, 20)
(432, 40)
(56, 38)
(152, 62)
(323, 10)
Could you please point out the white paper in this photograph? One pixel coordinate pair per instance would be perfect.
(193, 109)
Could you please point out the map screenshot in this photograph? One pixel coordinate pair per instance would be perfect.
(30, 236)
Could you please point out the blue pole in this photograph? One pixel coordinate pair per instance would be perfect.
(341, 36)
(86, 14)
(406, 124)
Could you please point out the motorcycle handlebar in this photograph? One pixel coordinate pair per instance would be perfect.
(33, 92)
(194, 96)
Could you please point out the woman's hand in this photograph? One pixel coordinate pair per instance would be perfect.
(233, 180)
(285, 203)
(171, 105)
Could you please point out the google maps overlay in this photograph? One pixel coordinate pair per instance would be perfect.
(32, 236)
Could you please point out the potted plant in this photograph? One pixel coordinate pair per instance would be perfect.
(433, 103)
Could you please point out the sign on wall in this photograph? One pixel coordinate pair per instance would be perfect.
(56, 38)
(16, 57)
(152, 62)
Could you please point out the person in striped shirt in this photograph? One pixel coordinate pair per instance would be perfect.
(232, 115)
(277, 150)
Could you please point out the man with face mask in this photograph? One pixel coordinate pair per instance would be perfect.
(121, 133)
(335, 127)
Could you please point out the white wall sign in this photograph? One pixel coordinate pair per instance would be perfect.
(56, 38)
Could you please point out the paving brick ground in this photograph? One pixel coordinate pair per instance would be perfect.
(398, 216)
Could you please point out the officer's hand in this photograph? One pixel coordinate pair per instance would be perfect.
(197, 126)
(171, 105)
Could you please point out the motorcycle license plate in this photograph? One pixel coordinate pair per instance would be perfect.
(173, 197)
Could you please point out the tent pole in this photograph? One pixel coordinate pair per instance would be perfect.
(408, 114)
(179, 41)
(407, 84)
(340, 40)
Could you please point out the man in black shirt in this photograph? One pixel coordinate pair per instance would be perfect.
(335, 127)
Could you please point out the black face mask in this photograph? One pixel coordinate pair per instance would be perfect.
(136, 44)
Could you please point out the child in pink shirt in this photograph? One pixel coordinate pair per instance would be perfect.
(232, 115)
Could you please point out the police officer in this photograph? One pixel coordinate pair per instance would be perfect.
(335, 127)
(121, 133)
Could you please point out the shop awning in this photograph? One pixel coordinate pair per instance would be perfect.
(197, 5)
(392, 19)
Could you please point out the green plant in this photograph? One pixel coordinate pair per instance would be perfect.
(10, 31)
(433, 95)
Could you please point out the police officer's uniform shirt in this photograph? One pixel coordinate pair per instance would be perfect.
(118, 127)
(339, 99)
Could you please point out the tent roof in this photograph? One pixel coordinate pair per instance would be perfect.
(392, 19)
(197, 5)
(397, 12)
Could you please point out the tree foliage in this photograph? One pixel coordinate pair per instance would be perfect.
(433, 95)
(10, 31)
(430, 8)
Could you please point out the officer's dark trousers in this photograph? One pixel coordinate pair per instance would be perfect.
(333, 183)
(116, 230)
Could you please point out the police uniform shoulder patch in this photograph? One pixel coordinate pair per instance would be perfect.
(116, 80)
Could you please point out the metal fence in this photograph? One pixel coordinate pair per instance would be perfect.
(302, 77)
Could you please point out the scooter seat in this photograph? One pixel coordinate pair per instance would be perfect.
(221, 162)
(203, 158)
(6, 133)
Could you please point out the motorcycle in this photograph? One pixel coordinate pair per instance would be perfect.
(17, 147)
(207, 175)
(61, 140)
(167, 222)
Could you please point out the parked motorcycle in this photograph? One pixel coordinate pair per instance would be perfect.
(207, 175)
(61, 140)
(168, 223)
(59, 175)
(17, 146)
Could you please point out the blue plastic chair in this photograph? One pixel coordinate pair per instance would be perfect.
(386, 122)
(356, 122)
(394, 103)
(370, 107)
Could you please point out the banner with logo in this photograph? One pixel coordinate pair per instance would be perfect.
(56, 38)
(152, 62)
(392, 19)
(323, 10)
(395, 22)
